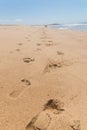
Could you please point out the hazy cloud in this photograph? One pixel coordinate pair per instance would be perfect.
(17, 20)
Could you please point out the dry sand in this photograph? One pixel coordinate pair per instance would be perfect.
(38, 64)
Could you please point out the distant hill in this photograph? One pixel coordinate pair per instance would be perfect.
(54, 24)
(83, 22)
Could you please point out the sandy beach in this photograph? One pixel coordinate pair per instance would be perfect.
(43, 78)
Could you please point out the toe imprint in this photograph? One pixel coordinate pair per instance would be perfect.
(27, 82)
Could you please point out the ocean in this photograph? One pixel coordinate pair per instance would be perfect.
(78, 27)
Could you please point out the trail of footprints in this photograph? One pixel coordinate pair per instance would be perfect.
(25, 82)
(52, 118)
(52, 64)
(20, 43)
(47, 42)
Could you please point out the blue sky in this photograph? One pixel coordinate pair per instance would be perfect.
(43, 11)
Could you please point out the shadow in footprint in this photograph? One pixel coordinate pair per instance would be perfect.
(15, 93)
(44, 37)
(49, 44)
(50, 41)
(17, 50)
(20, 44)
(26, 37)
(26, 82)
(38, 49)
(53, 66)
(76, 125)
(28, 60)
(28, 40)
(38, 44)
(60, 53)
(11, 52)
(54, 104)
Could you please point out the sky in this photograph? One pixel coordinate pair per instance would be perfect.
(42, 11)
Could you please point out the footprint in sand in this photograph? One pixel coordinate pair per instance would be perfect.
(60, 53)
(15, 93)
(53, 65)
(51, 118)
(28, 60)
(11, 52)
(26, 82)
(28, 40)
(57, 64)
(38, 49)
(76, 125)
(50, 43)
(44, 37)
(42, 120)
(20, 44)
(26, 37)
(38, 44)
(17, 50)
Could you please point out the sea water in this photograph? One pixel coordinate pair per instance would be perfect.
(80, 27)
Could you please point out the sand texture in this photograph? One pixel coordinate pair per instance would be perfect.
(43, 78)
